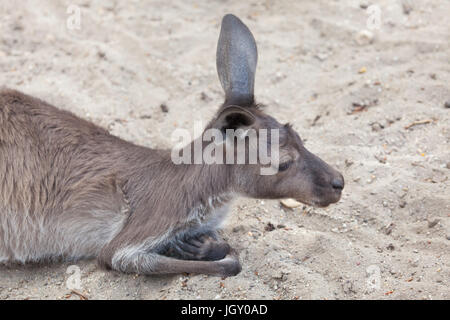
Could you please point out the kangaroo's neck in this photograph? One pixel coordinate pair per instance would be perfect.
(158, 185)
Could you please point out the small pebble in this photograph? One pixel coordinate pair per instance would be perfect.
(204, 97)
(364, 37)
(164, 108)
(407, 7)
(101, 55)
(447, 104)
(269, 227)
(290, 203)
(377, 126)
(431, 224)
(364, 5)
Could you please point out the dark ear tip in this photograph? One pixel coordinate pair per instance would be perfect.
(230, 20)
(229, 17)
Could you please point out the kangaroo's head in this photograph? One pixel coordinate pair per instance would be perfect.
(292, 171)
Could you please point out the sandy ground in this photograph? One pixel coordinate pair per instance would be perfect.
(349, 95)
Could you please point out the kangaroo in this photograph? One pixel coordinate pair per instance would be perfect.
(69, 190)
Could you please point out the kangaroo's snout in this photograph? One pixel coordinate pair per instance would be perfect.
(338, 183)
(326, 183)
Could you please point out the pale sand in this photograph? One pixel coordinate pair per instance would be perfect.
(131, 56)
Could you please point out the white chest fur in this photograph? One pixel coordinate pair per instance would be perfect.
(210, 215)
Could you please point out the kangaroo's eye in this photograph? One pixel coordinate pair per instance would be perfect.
(285, 165)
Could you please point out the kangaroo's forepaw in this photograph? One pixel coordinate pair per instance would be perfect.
(203, 247)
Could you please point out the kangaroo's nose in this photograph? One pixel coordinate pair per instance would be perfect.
(338, 183)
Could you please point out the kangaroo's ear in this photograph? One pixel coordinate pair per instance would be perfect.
(233, 117)
(236, 61)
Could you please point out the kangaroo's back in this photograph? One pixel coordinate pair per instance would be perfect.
(56, 187)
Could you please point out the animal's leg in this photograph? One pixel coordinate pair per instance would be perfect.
(206, 247)
(131, 261)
